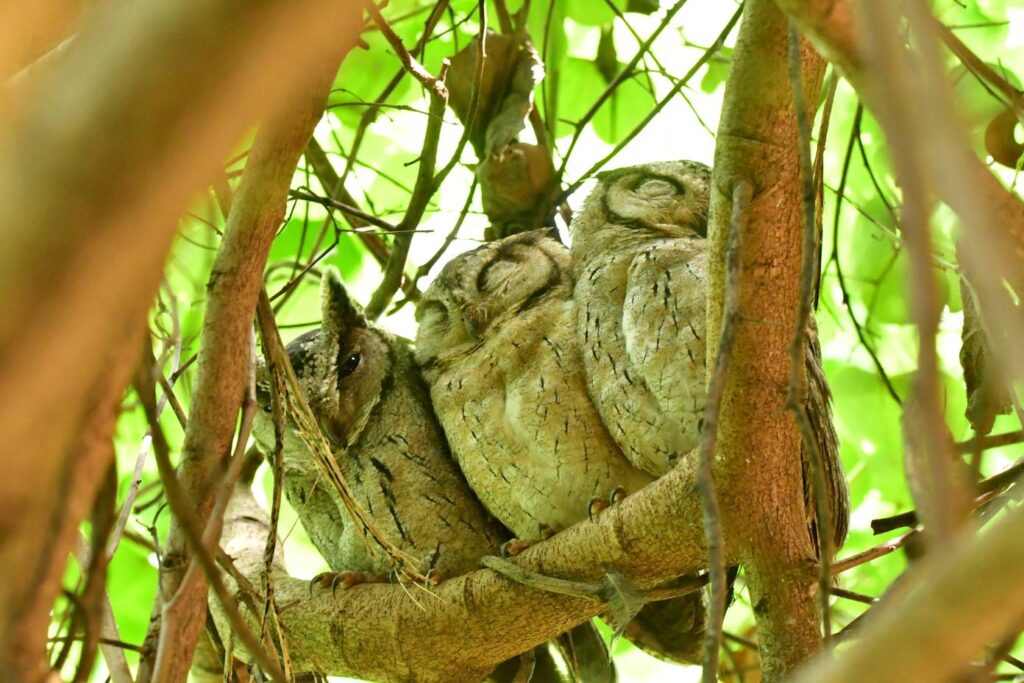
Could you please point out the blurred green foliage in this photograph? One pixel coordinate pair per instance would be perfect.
(582, 43)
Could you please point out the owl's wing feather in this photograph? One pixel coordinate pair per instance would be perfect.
(663, 324)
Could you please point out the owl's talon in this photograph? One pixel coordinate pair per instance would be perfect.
(617, 495)
(597, 505)
(345, 579)
(434, 577)
(514, 546)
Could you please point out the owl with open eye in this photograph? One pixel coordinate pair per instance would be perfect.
(640, 257)
(370, 401)
(366, 393)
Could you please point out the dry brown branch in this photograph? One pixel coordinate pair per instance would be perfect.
(235, 282)
(956, 603)
(425, 188)
(198, 540)
(709, 505)
(346, 203)
(757, 142)
(930, 463)
(113, 655)
(434, 85)
(810, 260)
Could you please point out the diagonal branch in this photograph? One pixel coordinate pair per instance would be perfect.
(235, 282)
(462, 628)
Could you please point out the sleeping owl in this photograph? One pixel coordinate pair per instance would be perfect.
(640, 257)
(497, 344)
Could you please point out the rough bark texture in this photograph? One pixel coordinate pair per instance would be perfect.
(92, 180)
(473, 622)
(759, 471)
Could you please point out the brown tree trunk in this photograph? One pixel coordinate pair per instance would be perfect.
(759, 467)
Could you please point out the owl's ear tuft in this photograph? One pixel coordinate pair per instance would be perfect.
(340, 313)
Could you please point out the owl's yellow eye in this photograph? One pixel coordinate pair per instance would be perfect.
(656, 187)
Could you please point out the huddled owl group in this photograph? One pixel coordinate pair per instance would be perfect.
(558, 376)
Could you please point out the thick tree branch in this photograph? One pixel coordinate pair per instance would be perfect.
(462, 628)
(97, 161)
(759, 473)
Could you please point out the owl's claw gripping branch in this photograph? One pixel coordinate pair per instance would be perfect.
(344, 579)
(621, 597)
(598, 505)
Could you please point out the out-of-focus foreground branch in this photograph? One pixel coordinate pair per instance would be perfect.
(99, 155)
(225, 358)
(953, 606)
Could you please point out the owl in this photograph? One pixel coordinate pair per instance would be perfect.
(365, 391)
(497, 344)
(363, 387)
(640, 256)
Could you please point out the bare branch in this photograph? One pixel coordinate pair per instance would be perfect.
(235, 282)
(954, 604)
(425, 187)
(466, 625)
(90, 146)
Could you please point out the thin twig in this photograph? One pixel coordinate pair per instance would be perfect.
(819, 178)
(979, 68)
(422, 192)
(670, 96)
(626, 72)
(180, 506)
(370, 115)
(742, 194)
(851, 595)
(112, 642)
(308, 429)
(117, 665)
(870, 554)
(425, 269)
(277, 463)
(991, 441)
(795, 402)
(347, 209)
(434, 85)
(985, 487)
(840, 196)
